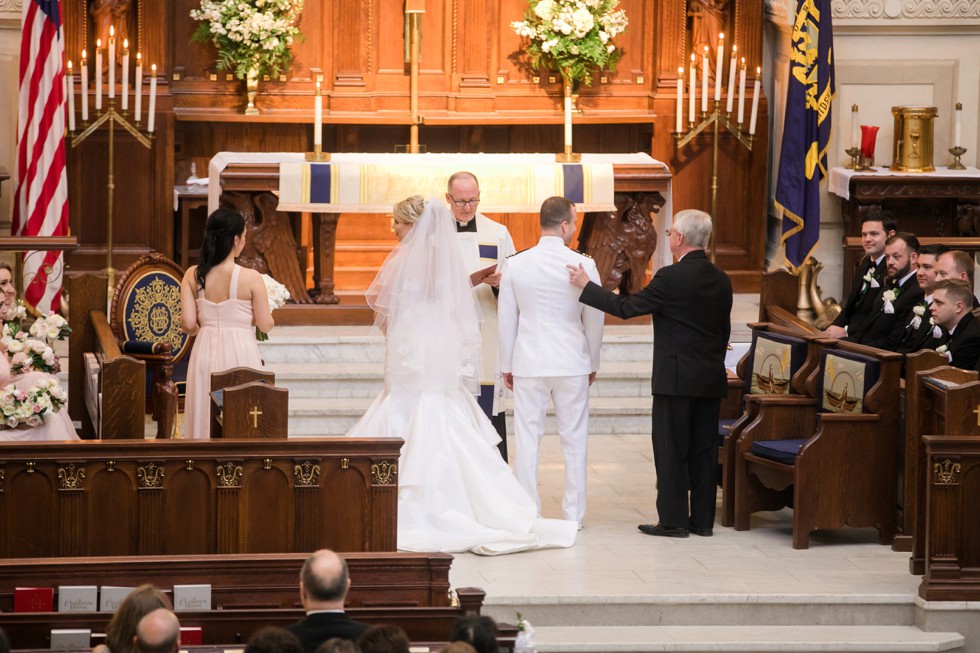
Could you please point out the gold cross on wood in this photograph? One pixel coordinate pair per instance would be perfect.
(977, 412)
(255, 412)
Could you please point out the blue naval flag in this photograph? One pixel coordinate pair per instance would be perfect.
(806, 129)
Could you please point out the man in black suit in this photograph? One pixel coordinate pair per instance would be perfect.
(323, 587)
(900, 294)
(919, 332)
(876, 228)
(691, 303)
(952, 302)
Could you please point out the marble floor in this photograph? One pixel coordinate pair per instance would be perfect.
(611, 558)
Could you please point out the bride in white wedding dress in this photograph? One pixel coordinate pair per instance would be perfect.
(455, 492)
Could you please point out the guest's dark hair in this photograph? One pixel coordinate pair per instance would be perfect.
(6, 266)
(933, 250)
(878, 214)
(480, 632)
(338, 645)
(273, 640)
(121, 630)
(219, 237)
(383, 638)
(911, 242)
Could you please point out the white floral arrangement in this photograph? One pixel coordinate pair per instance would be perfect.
(29, 354)
(278, 296)
(889, 296)
(250, 35)
(50, 327)
(918, 311)
(525, 636)
(944, 349)
(870, 281)
(33, 406)
(573, 37)
(937, 331)
(13, 313)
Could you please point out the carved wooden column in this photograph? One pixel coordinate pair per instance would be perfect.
(149, 483)
(384, 496)
(228, 477)
(309, 509)
(71, 505)
(325, 244)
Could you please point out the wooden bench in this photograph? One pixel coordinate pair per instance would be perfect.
(243, 581)
(153, 497)
(114, 388)
(246, 403)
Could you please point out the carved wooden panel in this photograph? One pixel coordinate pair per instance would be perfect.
(215, 496)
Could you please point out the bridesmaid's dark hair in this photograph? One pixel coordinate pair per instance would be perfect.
(219, 237)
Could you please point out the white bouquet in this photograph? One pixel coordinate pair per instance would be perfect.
(29, 355)
(50, 327)
(13, 313)
(525, 636)
(278, 296)
(31, 407)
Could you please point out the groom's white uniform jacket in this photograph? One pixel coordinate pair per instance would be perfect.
(490, 243)
(544, 330)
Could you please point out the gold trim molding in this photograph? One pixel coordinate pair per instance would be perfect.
(947, 472)
(384, 473)
(229, 475)
(150, 475)
(70, 477)
(307, 473)
(899, 9)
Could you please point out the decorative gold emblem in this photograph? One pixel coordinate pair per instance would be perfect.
(150, 475)
(345, 463)
(307, 473)
(70, 477)
(110, 465)
(384, 473)
(30, 467)
(229, 475)
(189, 465)
(154, 315)
(267, 463)
(3, 475)
(947, 472)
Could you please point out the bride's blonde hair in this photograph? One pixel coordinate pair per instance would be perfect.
(408, 210)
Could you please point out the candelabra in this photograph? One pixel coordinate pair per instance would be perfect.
(112, 117)
(718, 119)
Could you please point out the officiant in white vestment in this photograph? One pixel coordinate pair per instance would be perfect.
(483, 243)
(549, 351)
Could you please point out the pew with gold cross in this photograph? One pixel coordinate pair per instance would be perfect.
(257, 409)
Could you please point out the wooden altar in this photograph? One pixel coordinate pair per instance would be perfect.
(944, 206)
(642, 195)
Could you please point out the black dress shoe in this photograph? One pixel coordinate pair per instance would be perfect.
(663, 531)
(703, 532)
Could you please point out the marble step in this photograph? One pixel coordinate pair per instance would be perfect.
(319, 416)
(615, 379)
(717, 610)
(715, 639)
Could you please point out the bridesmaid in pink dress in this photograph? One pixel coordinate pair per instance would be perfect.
(221, 303)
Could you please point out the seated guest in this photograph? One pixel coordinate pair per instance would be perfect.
(900, 294)
(480, 632)
(919, 332)
(323, 587)
(8, 292)
(867, 284)
(338, 645)
(120, 633)
(383, 638)
(273, 640)
(956, 264)
(158, 632)
(951, 304)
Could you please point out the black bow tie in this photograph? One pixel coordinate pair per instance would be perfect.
(464, 227)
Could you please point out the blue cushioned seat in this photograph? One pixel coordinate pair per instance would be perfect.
(782, 451)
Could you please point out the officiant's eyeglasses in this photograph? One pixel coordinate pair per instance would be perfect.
(462, 203)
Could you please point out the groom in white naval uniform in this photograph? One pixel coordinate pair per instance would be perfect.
(549, 347)
(483, 242)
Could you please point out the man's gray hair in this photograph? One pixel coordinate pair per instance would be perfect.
(695, 226)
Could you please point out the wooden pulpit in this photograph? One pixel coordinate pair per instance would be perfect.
(251, 410)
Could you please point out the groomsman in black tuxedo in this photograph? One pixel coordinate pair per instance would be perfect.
(867, 284)
(900, 294)
(952, 302)
(919, 332)
(691, 305)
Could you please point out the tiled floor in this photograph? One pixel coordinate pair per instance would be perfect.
(612, 559)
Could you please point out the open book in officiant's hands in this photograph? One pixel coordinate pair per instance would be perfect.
(476, 278)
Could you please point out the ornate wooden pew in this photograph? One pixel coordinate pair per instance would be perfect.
(130, 497)
(243, 581)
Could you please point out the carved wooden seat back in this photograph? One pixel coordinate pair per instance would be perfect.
(831, 455)
(251, 410)
(145, 319)
(240, 375)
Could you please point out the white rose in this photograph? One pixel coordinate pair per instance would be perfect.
(544, 9)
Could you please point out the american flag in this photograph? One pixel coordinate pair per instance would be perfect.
(41, 195)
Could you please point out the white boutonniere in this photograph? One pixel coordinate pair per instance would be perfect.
(870, 281)
(890, 296)
(944, 349)
(937, 331)
(918, 310)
